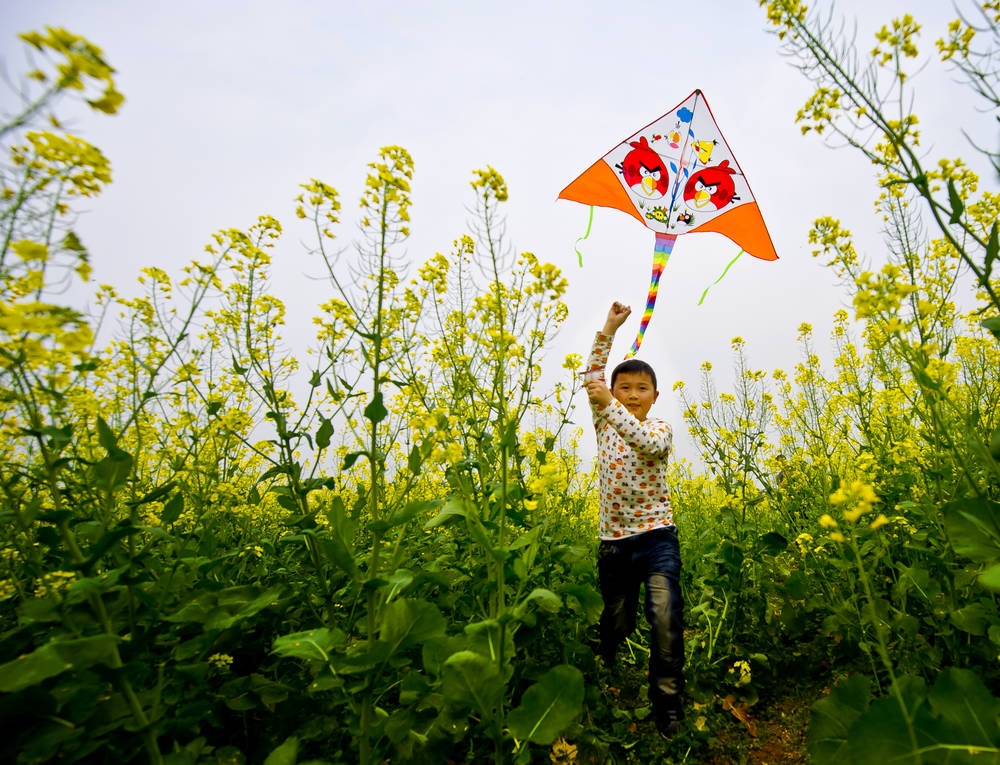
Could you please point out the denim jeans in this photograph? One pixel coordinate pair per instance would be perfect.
(652, 558)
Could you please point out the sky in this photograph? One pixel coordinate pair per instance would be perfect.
(229, 106)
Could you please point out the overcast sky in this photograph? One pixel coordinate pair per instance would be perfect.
(229, 106)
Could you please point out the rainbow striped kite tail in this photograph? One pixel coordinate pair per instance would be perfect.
(661, 253)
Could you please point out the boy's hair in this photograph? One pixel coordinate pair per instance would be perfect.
(633, 365)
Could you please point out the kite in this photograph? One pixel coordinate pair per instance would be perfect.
(676, 176)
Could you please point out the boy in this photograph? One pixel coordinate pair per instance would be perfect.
(638, 538)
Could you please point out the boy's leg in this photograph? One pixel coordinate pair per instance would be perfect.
(620, 591)
(664, 608)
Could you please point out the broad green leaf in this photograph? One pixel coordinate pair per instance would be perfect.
(286, 754)
(351, 458)
(992, 325)
(956, 203)
(992, 250)
(543, 599)
(376, 411)
(548, 706)
(484, 638)
(324, 433)
(772, 543)
(960, 699)
(106, 437)
(107, 540)
(224, 608)
(311, 644)
(415, 460)
(172, 509)
(404, 514)
(436, 650)
(832, 717)
(400, 579)
(991, 577)
(155, 495)
(589, 599)
(880, 735)
(972, 618)
(469, 679)
(55, 658)
(454, 508)
(407, 621)
(973, 526)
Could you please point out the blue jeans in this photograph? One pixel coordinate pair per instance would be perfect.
(652, 558)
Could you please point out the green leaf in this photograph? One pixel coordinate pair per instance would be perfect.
(546, 600)
(831, 719)
(973, 525)
(408, 621)
(155, 495)
(992, 250)
(415, 460)
(311, 644)
(351, 458)
(960, 699)
(106, 437)
(436, 650)
(411, 510)
(879, 735)
(549, 706)
(286, 754)
(972, 618)
(995, 438)
(882, 733)
(469, 679)
(224, 608)
(172, 510)
(376, 411)
(53, 659)
(956, 203)
(589, 599)
(454, 508)
(324, 433)
(992, 325)
(991, 577)
(123, 530)
(772, 543)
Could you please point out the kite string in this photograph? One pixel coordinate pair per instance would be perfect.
(661, 253)
(720, 276)
(586, 234)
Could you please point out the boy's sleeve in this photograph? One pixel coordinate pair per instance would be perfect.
(651, 437)
(596, 362)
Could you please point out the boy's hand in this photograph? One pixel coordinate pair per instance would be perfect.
(616, 317)
(599, 393)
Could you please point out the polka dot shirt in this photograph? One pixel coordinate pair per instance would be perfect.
(632, 463)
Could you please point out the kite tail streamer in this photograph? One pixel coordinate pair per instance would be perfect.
(720, 277)
(585, 235)
(661, 253)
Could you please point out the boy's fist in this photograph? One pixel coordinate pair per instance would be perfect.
(616, 317)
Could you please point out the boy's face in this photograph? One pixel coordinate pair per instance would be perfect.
(635, 390)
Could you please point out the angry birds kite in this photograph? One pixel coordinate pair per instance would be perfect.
(676, 176)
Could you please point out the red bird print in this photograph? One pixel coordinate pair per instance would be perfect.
(711, 188)
(644, 171)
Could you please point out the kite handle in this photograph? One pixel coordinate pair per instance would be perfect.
(720, 277)
(661, 254)
(586, 234)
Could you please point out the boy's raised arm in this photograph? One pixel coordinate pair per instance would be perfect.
(597, 389)
(616, 317)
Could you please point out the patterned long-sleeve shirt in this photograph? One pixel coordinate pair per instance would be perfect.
(632, 463)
